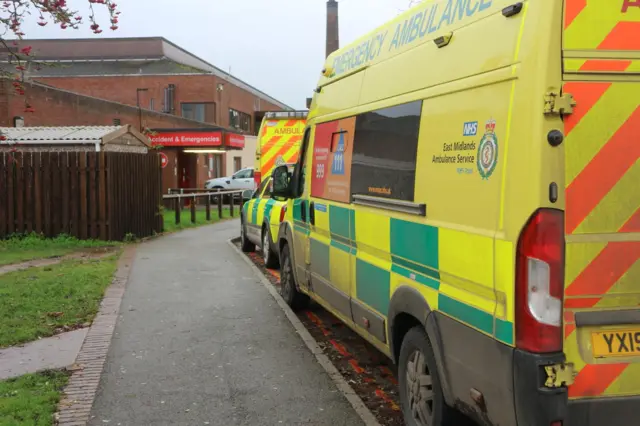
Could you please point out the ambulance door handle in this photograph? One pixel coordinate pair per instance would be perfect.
(312, 213)
(303, 211)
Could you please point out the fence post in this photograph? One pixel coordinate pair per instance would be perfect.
(178, 207)
(193, 210)
(233, 200)
(208, 207)
(219, 201)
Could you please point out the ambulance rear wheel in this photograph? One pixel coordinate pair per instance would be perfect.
(288, 290)
(421, 394)
(269, 257)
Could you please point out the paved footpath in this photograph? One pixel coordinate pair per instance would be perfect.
(200, 341)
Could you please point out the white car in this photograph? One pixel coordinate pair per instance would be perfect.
(241, 180)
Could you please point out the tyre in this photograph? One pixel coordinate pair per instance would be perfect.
(247, 246)
(214, 198)
(421, 394)
(288, 289)
(269, 257)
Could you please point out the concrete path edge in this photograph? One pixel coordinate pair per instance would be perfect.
(360, 408)
(74, 408)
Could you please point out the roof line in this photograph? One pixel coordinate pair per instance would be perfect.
(222, 71)
(160, 38)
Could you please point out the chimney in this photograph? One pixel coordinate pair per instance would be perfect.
(333, 36)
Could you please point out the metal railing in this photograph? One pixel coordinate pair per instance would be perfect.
(193, 197)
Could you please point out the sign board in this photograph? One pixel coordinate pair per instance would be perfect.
(164, 160)
(187, 139)
(233, 140)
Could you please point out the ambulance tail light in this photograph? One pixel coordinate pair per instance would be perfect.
(540, 283)
(283, 212)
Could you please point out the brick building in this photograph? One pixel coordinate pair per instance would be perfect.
(156, 73)
(148, 83)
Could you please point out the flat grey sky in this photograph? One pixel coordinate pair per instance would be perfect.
(276, 46)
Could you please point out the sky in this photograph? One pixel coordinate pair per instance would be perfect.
(278, 46)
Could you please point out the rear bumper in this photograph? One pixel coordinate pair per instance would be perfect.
(604, 411)
(512, 383)
(538, 405)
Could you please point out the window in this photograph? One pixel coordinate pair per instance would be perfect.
(244, 174)
(216, 161)
(237, 163)
(203, 112)
(384, 152)
(152, 104)
(117, 122)
(239, 120)
(261, 189)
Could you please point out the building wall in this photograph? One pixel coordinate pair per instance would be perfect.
(247, 155)
(189, 89)
(53, 107)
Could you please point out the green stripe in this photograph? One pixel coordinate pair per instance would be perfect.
(422, 279)
(504, 331)
(340, 239)
(415, 242)
(268, 207)
(373, 286)
(343, 247)
(320, 261)
(475, 317)
(352, 224)
(297, 210)
(418, 268)
(339, 219)
(254, 212)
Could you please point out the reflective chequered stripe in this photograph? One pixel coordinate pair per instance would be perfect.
(453, 270)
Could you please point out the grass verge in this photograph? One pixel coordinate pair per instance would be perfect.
(31, 400)
(169, 217)
(22, 248)
(37, 302)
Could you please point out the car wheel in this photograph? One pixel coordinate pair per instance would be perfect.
(270, 259)
(247, 246)
(421, 394)
(214, 198)
(288, 290)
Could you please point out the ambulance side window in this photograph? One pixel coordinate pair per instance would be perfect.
(384, 152)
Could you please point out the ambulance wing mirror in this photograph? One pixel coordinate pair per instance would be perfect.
(281, 182)
(247, 195)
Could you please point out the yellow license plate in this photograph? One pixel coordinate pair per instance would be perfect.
(616, 343)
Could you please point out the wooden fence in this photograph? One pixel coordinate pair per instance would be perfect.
(93, 195)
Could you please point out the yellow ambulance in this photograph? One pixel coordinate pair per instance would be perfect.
(279, 141)
(467, 198)
(278, 144)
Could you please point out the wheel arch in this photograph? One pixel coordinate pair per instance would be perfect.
(407, 309)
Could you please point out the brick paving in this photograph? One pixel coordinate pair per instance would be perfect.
(75, 407)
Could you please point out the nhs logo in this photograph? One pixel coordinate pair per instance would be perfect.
(470, 128)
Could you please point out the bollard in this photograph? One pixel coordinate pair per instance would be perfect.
(208, 207)
(178, 207)
(193, 210)
(219, 201)
(233, 200)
